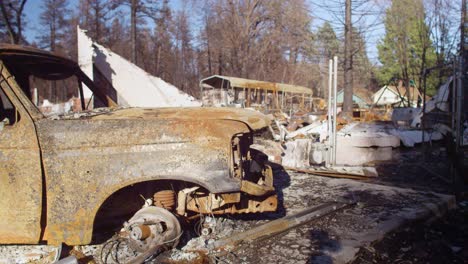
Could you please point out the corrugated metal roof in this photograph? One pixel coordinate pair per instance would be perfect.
(255, 84)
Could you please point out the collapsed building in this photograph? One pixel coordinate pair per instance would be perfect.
(123, 81)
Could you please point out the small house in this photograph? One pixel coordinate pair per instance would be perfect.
(397, 96)
(361, 97)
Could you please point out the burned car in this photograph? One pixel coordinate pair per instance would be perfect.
(61, 177)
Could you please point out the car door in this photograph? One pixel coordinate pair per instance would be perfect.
(20, 168)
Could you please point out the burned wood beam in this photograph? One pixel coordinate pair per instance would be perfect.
(281, 225)
(332, 174)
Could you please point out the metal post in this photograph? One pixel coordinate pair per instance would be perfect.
(453, 92)
(423, 127)
(335, 111)
(329, 120)
(459, 123)
(310, 103)
(282, 99)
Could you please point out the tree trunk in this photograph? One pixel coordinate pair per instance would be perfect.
(348, 64)
(97, 26)
(133, 30)
(15, 36)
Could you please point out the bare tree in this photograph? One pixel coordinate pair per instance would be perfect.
(360, 18)
(54, 19)
(267, 40)
(12, 14)
(442, 19)
(95, 15)
(138, 10)
(162, 41)
(185, 69)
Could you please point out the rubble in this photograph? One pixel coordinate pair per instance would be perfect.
(27, 253)
(337, 238)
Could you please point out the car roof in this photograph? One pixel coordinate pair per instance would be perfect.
(37, 62)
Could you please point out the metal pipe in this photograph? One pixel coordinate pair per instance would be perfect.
(201, 90)
(335, 111)
(310, 103)
(423, 127)
(459, 132)
(282, 99)
(329, 129)
(454, 78)
(225, 94)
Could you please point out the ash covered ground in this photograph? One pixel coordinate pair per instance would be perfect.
(392, 220)
(398, 217)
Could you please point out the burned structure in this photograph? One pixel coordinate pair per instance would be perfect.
(60, 175)
(220, 90)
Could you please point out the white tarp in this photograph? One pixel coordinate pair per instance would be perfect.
(134, 86)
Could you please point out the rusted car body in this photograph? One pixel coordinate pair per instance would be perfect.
(56, 174)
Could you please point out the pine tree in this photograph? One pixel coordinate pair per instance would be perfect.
(54, 20)
(406, 50)
(327, 42)
(95, 15)
(362, 67)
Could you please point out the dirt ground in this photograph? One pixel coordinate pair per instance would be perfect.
(441, 241)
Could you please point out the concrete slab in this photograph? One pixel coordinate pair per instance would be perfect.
(367, 135)
(357, 156)
(360, 143)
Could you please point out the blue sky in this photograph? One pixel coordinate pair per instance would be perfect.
(33, 9)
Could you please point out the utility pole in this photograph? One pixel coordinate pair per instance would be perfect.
(348, 64)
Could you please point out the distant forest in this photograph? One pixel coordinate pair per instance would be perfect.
(270, 40)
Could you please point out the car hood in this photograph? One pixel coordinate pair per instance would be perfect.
(254, 119)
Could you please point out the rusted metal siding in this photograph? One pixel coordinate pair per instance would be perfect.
(87, 160)
(20, 175)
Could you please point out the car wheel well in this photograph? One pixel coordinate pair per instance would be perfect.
(125, 202)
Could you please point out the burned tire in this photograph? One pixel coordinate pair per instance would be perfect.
(149, 232)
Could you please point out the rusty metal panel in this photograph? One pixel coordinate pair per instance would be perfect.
(254, 119)
(89, 159)
(20, 176)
